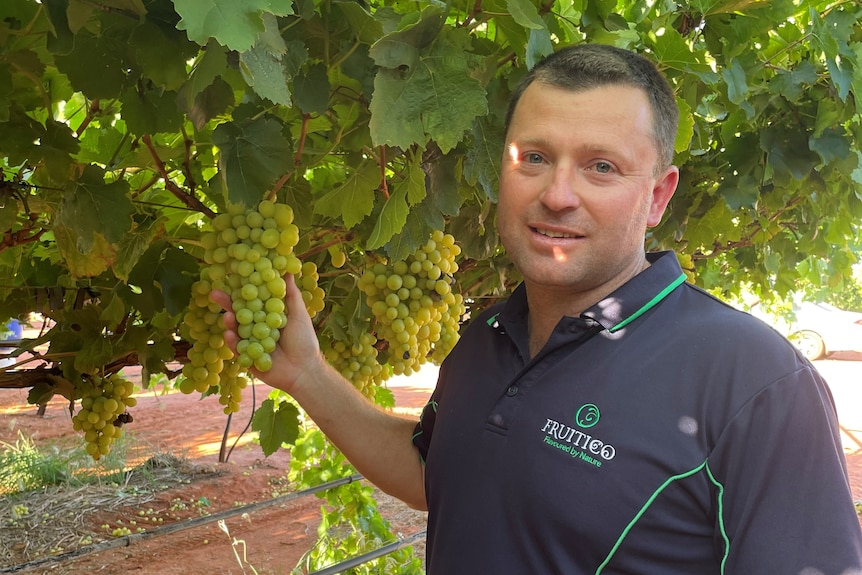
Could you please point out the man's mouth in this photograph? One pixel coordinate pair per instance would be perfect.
(555, 234)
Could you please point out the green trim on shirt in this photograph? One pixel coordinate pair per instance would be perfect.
(650, 304)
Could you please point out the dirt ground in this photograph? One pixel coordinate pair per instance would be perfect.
(272, 539)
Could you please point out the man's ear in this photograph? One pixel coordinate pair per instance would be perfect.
(665, 186)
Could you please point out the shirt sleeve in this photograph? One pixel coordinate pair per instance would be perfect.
(784, 498)
(425, 427)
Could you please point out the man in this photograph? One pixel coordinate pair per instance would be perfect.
(608, 418)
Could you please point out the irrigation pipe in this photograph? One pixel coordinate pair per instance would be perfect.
(127, 540)
(371, 555)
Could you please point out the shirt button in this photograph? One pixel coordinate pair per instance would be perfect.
(497, 420)
(512, 390)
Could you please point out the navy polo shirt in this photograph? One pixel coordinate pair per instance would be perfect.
(662, 432)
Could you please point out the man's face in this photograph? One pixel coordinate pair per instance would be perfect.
(578, 186)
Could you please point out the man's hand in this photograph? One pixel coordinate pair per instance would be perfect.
(298, 351)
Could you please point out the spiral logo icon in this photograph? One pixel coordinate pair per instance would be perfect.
(588, 415)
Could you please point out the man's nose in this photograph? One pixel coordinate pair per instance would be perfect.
(562, 190)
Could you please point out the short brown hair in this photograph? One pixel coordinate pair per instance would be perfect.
(585, 66)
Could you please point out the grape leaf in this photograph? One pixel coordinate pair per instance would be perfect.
(114, 311)
(791, 84)
(311, 90)
(96, 66)
(392, 218)
(135, 244)
(235, 23)
(482, 160)
(162, 54)
(163, 276)
(211, 64)
(276, 425)
(354, 199)
(787, 151)
(150, 111)
(95, 352)
(434, 97)
(252, 156)
(262, 65)
(93, 206)
(84, 262)
(525, 13)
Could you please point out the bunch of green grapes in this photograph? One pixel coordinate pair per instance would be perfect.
(247, 253)
(450, 329)
(413, 303)
(357, 362)
(231, 384)
(312, 294)
(103, 412)
(203, 326)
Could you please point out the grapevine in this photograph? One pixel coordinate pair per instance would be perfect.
(103, 412)
(413, 303)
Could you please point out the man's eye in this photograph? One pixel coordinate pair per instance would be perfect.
(603, 167)
(533, 158)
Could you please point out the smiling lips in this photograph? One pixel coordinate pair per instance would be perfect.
(556, 234)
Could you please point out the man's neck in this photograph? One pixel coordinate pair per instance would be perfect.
(548, 305)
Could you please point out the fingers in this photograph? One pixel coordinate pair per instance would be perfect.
(293, 301)
(223, 299)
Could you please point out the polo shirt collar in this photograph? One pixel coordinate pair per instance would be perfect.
(620, 308)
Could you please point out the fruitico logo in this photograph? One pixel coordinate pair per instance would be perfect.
(575, 441)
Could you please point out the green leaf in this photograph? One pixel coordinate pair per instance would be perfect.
(787, 151)
(264, 69)
(93, 207)
(831, 145)
(151, 111)
(93, 355)
(538, 46)
(214, 100)
(162, 54)
(114, 311)
(792, 84)
(443, 185)
(384, 397)
(253, 155)
(737, 83)
(235, 23)
(96, 66)
(525, 13)
(434, 97)
(367, 28)
(277, 425)
(354, 199)
(739, 192)
(135, 244)
(685, 130)
(163, 279)
(482, 161)
(175, 274)
(420, 222)
(211, 64)
(415, 181)
(311, 90)
(392, 218)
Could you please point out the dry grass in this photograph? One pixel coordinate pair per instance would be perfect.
(57, 519)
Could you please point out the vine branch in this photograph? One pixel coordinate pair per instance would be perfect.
(183, 196)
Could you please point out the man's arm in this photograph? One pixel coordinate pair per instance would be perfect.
(379, 444)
